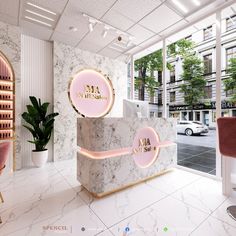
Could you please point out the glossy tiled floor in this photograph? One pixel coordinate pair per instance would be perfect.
(50, 201)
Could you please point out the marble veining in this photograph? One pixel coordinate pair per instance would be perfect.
(50, 197)
(68, 61)
(105, 175)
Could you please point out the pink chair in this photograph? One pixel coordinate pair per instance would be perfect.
(4, 150)
(227, 145)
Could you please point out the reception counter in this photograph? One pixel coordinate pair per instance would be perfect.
(106, 160)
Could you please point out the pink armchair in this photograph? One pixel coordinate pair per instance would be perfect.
(4, 150)
(227, 145)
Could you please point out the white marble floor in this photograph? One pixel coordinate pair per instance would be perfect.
(50, 201)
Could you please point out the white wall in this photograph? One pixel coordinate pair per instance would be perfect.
(37, 80)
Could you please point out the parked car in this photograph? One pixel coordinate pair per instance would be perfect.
(191, 127)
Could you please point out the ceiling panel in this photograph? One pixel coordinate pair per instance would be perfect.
(134, 50)
(206, 22)
(9, 10)
(89, 46)
(170, 29)
(108, 52)
(77, 21)
(9, 7)
(117, 20)
(95, 8)
(150, 41)
(157, 21)
(64, 38)
(135, 9)
(210, 7)
(140, 33)
(38, 31)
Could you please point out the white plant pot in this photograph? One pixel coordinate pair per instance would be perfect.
(40, 158)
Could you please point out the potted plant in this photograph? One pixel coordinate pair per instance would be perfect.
(41, 126)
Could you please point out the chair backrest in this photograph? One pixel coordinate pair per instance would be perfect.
(227, 136)
(4, 150)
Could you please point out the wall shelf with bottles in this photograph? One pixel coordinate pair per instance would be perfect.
(7, 99)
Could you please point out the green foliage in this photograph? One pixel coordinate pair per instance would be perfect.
(145, 67)
(40, 124)
(194, 85)
(193, 89)
(230, 83)
(181, 48)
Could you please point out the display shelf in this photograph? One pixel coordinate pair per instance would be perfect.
(7, 99)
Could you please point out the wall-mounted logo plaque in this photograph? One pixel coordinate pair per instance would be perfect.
(91, 93)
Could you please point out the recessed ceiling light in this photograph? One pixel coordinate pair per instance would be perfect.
(41, 8)
(104, 34)
(180, 6)
(196, 2)
(39, 21)
(37, 14)
(105, 31)
(72, 28)
(90, 27)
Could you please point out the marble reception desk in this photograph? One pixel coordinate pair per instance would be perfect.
(104, 173)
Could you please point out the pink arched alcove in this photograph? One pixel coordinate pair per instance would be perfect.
(7, 106)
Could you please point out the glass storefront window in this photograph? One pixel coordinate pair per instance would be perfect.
(190, 115)
(184, 115)
(197, 115)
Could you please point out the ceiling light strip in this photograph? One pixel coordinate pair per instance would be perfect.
(41, 8)
(39, 21)
(180, 6)
(37, 14)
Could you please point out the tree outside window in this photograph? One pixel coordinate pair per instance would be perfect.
(230, 53)
(230, 83)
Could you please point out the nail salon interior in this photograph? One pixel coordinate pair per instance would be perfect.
(117, 117)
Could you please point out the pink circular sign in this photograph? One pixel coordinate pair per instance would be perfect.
(145, 147)
(91, 93)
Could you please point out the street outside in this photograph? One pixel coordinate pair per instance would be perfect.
(197, 151)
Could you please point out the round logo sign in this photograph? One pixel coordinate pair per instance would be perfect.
(145, 147)
(91, 93)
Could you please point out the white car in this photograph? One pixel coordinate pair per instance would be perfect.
(191, 127)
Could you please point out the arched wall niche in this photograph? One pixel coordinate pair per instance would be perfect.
(7, 108)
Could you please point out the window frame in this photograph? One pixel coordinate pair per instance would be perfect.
(209, 65)
(206, 30)
(171, 97)
(227, 54)
(231, 25)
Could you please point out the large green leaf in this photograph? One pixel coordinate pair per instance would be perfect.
(34, 102)
(32, 131)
